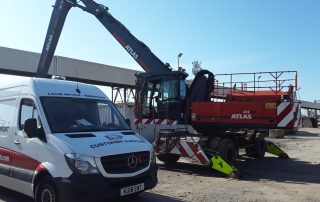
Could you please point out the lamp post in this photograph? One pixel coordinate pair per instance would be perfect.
(298, 93)
(259, 77)
(179, 56)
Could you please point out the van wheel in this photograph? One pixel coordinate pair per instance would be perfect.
(46, 191)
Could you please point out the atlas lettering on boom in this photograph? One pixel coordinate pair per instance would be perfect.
(132, 52)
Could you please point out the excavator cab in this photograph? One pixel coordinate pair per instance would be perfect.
(172, 98)
(168, 97)
(161, 97)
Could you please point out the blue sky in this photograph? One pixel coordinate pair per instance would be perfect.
(227, 36)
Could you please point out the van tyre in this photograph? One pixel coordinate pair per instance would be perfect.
(227, 150)
(46, 191)
(168, 158)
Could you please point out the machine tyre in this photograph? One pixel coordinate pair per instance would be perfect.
(47, 191)
(250, 151)
(168, 158)
(214, 143)
(260, 147)
(227, 150)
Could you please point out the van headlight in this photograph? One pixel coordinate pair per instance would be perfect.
(82, 164)
(153, 157)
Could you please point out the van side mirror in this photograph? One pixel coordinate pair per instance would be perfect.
(31, 129)
(128, 122)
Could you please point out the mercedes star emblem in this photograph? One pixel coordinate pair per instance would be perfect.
(132, 161)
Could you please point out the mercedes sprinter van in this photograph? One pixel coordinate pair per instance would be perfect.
(66, 141)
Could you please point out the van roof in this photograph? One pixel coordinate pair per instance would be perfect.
(60, 88)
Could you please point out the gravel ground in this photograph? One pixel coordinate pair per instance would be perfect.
(270, 179)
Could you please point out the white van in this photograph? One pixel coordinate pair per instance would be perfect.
(65, 141)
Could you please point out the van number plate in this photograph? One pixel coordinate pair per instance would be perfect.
(132, 189)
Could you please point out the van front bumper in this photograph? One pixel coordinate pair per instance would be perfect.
(97, 187)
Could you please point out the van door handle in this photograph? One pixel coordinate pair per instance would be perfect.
(16, 142)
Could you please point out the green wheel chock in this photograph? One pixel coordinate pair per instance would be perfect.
(275, 150)
(217, 163)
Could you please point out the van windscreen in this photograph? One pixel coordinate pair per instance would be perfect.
(81, 115)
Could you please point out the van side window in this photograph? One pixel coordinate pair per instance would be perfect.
(7, 109)
(27, 110)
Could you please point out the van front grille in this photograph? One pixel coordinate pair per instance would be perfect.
(125, 163)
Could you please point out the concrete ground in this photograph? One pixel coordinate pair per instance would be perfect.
(270, 179)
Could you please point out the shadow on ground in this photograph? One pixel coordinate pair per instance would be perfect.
(303, 134)
(192, 169)
(289, 171)
(12, 196)
(149, 197)
(269, 168)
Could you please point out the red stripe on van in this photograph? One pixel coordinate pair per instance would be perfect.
(25, 162)
(17, 159)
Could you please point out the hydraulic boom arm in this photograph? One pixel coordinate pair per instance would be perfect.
(137, 49)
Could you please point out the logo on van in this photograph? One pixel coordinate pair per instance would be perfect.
(4, 158)
(114, 137)
(4, 129)
(132, 161)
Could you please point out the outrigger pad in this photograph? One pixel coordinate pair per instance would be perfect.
(217, 163)
(275, 150)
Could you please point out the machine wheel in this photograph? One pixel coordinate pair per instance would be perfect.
(259, 149)
(250, 151)
(214, 143)
(260, 146)
(227, 150)
(46, 191)
(168, 158)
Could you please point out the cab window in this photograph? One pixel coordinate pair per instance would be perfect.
(169, 89)
(183, 90)
(27, 110)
